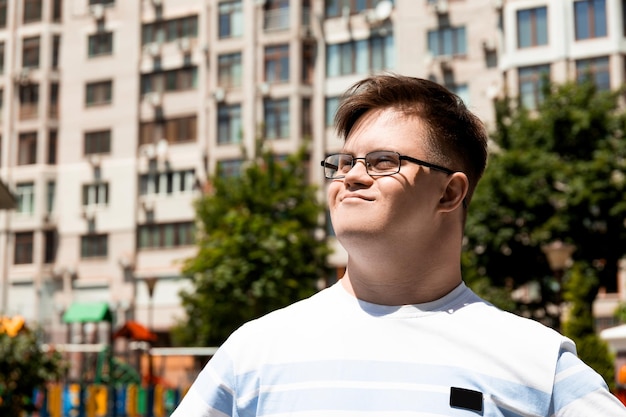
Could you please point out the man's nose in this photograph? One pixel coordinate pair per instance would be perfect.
(358, 170)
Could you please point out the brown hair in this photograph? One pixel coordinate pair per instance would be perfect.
(455, 136)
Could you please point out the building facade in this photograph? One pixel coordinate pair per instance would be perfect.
(113, 113)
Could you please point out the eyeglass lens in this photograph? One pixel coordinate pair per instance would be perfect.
(376, 163)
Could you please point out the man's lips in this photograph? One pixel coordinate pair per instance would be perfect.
(356, 196)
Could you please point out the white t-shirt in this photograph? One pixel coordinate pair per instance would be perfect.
(334, 355)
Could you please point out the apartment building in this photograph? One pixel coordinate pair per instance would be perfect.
(113, 113)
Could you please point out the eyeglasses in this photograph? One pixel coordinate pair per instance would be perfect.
(377, 164)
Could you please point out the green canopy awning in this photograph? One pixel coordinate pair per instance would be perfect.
(87, 312)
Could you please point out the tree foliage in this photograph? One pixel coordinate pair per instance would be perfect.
(579, 325)
(554, 173)
(258, 249)
(24, 367)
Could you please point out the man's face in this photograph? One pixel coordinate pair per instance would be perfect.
(402, 206)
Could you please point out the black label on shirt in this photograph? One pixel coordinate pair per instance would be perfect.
(466, 398)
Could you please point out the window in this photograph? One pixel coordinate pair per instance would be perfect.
(100, 43)
(596, 69)
(52, 147)
(277, 63)
(230, 19)
(276, 16)
(27, 148)
(331, 105)
(229, 168)
(167, 183)
(25, 198)
(105, 2)
(360, 57)
(169, 235)
(590, 18)
(447, 41)
(51, 187)
(1, 57)
(94, 246)
(29, 101)
(54, 100)
(532, 27)
(32, 11)
(96, 194)
(229, 129)
(175, 80)
(229, 70)
(307, 118)
(56, 10)
(23, 248)
(30, 52)
(50, 242)
(176, 130)
(97, 142)
(531, 83)
(56, 45)
(169, 30)
(276, 118)
(308, 62)
(99, 93)
(3, 13)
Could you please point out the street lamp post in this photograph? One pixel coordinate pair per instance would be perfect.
(559, 255)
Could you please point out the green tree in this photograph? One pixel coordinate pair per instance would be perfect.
(24, 367)
(554, 173)
(258, 248)
(579, 325)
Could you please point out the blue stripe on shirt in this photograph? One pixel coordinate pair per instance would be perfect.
(283, 385)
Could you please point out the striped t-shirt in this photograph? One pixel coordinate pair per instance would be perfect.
(334, 355)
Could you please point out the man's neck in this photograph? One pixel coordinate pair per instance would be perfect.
(381, 278)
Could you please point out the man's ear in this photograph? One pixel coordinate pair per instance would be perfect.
(455, 192)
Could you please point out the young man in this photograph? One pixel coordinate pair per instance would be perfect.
(400, 334)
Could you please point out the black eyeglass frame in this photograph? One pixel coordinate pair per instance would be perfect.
(400, 157)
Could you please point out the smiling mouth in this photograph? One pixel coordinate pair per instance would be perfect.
(356, 197)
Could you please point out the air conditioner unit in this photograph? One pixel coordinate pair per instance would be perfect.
(147, 204)
(148, 150)
(219, 94)
(446, 64)
(23, 77)
(162, 148)
(97, 11)
(440, 6)
(184, 44)
(94, 160)
(153, 49)
(264, 89)
(380, 13)
(89, 213)
(489, 44)
(155, 99)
